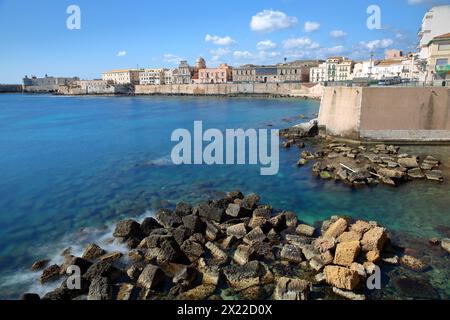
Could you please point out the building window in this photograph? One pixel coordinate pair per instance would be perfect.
(444, 46)
(441, 62)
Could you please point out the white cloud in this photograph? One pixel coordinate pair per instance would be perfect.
(242, 54)
(338, 33)
(220, 41)
(172, 58)
(265, 45)
(378, 44)
(220, 52)
(122, 53)
(303, 42)
(269, 20)
(311, 26)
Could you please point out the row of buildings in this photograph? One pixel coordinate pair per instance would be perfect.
(297, 71)
(430, 64)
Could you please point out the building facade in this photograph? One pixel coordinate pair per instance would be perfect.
(438, 64)
(318, 74)
(47, 81)
(434, 23)
(183, 74)
(244, 74)
(334, 69)
(296, 71)
(221, 74)
(126, 76)
(152, 77)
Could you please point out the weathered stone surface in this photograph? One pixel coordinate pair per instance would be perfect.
(183, 209)
(290, 219)
(408, 163)
(134, 271)
(346, 253)
(201, 292)
(50, 273)
(193, 223)
(291, 253)
(250, 202)
(112, 257)
(435, 175)
(416, 173)
(445, 244)
(360, 227)
(217, 253)
(102, 269)
(358, 268)
(192, 249)
(336, 229)
(342, 278)
(39, 265)
(305, 230)
(148, 225)
(413, 263)
(349, 236)
(244, 254)
(126, 292)
(171, 252)
(292, 289)
(374, 239)
(238, 230)
(236, 211)
(373, 256)
(228, 242)
(324, 244)
(212, 232)
(127, 229)
(100, 289)
(93, 252)
(210, 212)
(150, 277)
(254, 236)
(349, 295)
(181, 234)
(243, 277)
(168, 219)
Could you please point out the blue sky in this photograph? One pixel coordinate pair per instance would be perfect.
(122, 34)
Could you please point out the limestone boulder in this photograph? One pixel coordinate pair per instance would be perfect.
(342, 278)
(374, 239)
(346, 253)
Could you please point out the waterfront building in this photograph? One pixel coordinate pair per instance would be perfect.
(245, 74)
(168, 76)
(393, 54)
(296, 71)
(47, 81)
(152, 77)
(256, 74)
(126, 76)
(333, 69)
(221, 74)
(434, 23)
(438, 63)
(318, 74)
(183, 74)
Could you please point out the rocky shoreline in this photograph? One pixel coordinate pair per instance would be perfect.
(359, 164)
(231, 248)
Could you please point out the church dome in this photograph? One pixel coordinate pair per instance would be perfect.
(200, 63)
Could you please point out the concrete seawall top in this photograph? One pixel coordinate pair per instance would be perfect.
(399, 114)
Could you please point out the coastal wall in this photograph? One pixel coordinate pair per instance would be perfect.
(283, 89)
(386, 114)
(94, 87)
(10, 88)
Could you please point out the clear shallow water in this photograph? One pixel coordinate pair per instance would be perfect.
(68, 163)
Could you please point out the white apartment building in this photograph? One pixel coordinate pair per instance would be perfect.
(334, 69)
(127, 76)
(436, 22)
(168, 76)
(152, 77)
(318, 74)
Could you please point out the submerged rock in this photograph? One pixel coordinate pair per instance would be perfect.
(292, 289)
(415, 288)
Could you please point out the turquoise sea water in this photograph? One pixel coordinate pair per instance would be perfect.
(71, 166)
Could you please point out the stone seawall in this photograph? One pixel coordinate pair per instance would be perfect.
(281, 89)
(386, 114)
(10, 88)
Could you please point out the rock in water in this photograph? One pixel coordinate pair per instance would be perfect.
(413, 263)
(445, 244)
(292, 289)
(49, 274)
(415, 288)
(374, 239)
(342, 278)
(39, 265)
(100, 289)
(127, 229)
(346, 253)
(336, 229)
(349, 295)
(150, 277)
(93, 252)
